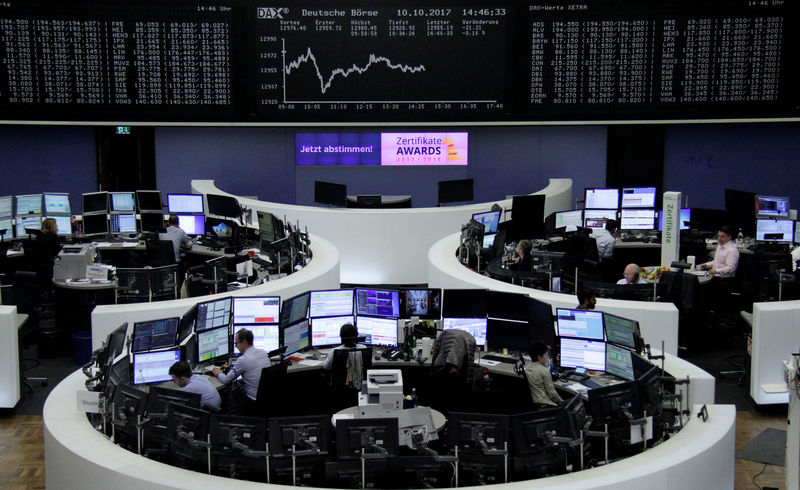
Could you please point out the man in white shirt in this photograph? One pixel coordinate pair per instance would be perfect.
(631, 275)
(726, 257)
(604, 237)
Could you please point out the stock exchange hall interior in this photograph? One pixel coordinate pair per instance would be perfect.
(516, 244)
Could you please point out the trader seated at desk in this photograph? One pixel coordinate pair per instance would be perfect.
(178, 237)
(248, 365)
(586, 299)
(604, 237)
(522, 260)
(348, 333)
(540, 382)
(631, 275)
(182, 376)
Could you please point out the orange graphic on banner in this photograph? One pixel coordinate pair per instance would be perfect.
(452, 151)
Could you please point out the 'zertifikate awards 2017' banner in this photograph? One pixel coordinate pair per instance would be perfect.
(431, 149)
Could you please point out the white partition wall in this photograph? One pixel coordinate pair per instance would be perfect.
(322, 272)
(658, 321)
(386, 246)
(9, 352)
(776, 334)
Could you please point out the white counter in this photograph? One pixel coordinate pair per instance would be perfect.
(776, 334)
(9, 353)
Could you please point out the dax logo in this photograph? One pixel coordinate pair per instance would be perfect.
(272, 12)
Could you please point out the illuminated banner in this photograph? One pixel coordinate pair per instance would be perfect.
(431, 149)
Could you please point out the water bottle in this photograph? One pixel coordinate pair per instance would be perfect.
(413, 397)
(740, 238)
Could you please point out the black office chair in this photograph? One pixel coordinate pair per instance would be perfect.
(348, 373)
(274, 397)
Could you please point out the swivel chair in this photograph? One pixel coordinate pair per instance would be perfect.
(348, 371)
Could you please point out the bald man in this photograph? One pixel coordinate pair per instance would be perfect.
(631, 275)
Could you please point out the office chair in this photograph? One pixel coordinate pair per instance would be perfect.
(348, 372)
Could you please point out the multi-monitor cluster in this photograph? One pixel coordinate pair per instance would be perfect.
(26, 212)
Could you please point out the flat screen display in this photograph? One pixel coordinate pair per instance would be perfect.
(336, 302)
(475, 326)
(685, 218)
(95, 202)
(6, 203)
(295, 337)
(596, 218)
(29, 204)
(589, 354)
(637, 219)
(64, 224)
(619, 362)
(265, 337)
(569, 220)
(258, 309)
(294, 309)
(185, 203)
(378, 302)
(95, 224)
(325, 331)
(122, 201)
(489, 219)
(152, 222)
(149, 201)
(212, 314)
(213, 343)
(775, 230)
(219, 228)
(424, 303)
(378, 331)
(583, 324)
(638, 197)
(56, 204)
(155, 334)
(620, 330)
(123, 223)
(223, 205)
(5, 224)
(601, 198)
(514, 335)
(769, 206)
(153, 367)
(29, 222)
(192, 224)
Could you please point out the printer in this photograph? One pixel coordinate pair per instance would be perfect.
(382, 393)
(71, 262)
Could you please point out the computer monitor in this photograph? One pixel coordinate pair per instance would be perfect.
(477, 432)
(335, 302)
(115, 343)
(775, 230)
(185, 203)
(149, 201)
(186, 326)
(325, 331)
(637, 219)
(513, 335)
(583, 324)
(772, 207)
(685, 218)
(29, 222)
(213, 344)
(609, 404)
(619, 362)
(490, 220)
(155, 334)
(213, 314)
(377, 302)
(507, 306)
(741, 203)
(638, 197)
(95, 224)
(29, 204)
(122, 202)
(294, 309)
(253, 310)
(94, 202)
(424, 303)
(488, 240)
(270, 227)
(192, 224)
(527, 217)
(569, 220)
(621, 331)
(159, 399)
(589, 354)
(475, 326)
(64, 224)
(596, 198)
(153, 367)
(219, 228)
(56, 203)
(7, 224)
(459, 190)
(152, 222)
(378, 331)
(330, 193)
(295, 337)
(220, 205)
(130, 402)
(6, 206)
(118, 373)
(265, 337)
(596, 218)
(290, 434)
(465, 303)
(123, 223)
(357, 438)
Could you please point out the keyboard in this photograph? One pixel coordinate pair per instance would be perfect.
(492, 357)
(591, 384)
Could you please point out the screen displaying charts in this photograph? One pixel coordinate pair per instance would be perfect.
(489, 219)
(122, 201)
(475, 326)
(56, 204)
(29, 222)
(620, 330)
(5, 206)
(213, 343)
(123, 223)
(295, 337)
(601, 199)
(153, 367)
(637, 219)
(325, 331)
(619, 362)
(775, 230)
(638, 197)
(185, 203)
(596, 218)
(377, 302)
(213, 314)
(590, 354)
(155, 334)
(262, 309)
(570, 220)
(331, 303)
(265, 337)
(378, 331)
(580, 323)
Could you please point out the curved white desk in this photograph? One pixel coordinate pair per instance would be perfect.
(322, 272)
(776, 334)
(386, 246)
(80, 458)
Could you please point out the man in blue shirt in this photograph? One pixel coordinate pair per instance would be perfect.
(248, 365)
(178, 237)
(182, 375)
